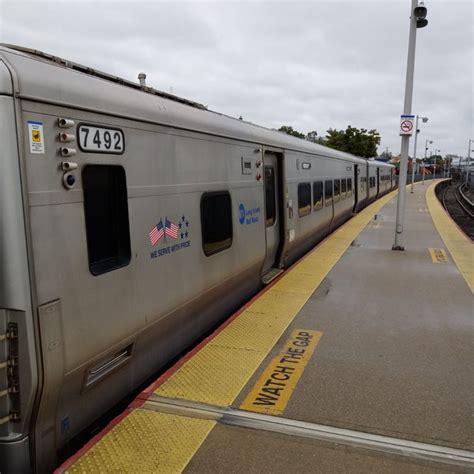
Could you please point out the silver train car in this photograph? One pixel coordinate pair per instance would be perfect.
(132, 222)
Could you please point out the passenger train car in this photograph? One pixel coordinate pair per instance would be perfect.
(132, 222)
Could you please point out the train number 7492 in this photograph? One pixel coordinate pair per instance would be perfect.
(101, 139)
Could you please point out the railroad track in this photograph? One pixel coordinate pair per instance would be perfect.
(459, 206)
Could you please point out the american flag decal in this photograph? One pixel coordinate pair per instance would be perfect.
(171, 229)
(156, 233)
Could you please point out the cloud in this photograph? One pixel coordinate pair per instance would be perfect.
(311, 65)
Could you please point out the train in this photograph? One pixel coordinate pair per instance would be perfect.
(132, 222)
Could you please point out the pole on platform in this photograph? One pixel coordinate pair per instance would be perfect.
(417, 19)
(468, 160)
(424, 159)
(424, 120)
(413, 162)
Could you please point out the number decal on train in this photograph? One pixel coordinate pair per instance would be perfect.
(94, 139)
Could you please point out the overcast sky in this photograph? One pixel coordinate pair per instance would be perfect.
(312, 65)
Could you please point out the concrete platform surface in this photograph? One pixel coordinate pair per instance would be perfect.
(396, 353)
(236, 450)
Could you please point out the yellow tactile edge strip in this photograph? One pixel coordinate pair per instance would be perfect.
(459, 245)
(148, 441)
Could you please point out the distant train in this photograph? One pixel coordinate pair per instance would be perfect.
(133, 221)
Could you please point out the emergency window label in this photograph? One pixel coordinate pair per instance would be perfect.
(36, 135)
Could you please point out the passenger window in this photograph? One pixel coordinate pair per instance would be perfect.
(106, 217)
(349, 186)
(328, 192)
(304, 199)
(216, 222)
(343, 188)
(317, 195)
(270, 206)
(337, 189)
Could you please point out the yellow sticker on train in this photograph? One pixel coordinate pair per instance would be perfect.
(36, 135)
(439, 256)
(275, 386)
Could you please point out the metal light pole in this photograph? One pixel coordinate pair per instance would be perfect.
(424, 159)
(417, 20)
(434, 162)
(413, 164)
(468, 160)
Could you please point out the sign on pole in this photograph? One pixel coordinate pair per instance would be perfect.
(407, 124)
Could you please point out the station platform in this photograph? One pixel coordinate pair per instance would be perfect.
(357, 359)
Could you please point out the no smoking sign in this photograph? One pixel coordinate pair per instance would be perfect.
(407, 124)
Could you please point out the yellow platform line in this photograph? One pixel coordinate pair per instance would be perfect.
(459, 245)
(149, 441)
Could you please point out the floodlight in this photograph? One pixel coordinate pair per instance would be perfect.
(421, 23)
(420, 11)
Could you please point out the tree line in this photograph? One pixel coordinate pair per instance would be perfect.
(358, 141)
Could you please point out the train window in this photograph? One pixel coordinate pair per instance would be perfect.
(349, 186)
(337, 189)
(270, 206)
(343, 188)
(317, 195)
(216, 222)
(328, 192)
(106, 217)
(304, 199)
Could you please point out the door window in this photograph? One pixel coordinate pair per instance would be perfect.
(304, 199)
(270, 203)
(328, 192)
(337, 189)
(317, 195)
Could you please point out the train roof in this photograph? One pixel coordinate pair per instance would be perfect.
(380, 164)
(47, 78)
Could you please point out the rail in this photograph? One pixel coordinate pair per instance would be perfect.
(465, 203)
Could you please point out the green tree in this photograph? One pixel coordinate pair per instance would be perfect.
(291, 131)
(386, 155)
(314, 138)
(360, 142)
(438, 158)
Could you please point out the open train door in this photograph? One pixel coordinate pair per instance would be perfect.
(274, 224)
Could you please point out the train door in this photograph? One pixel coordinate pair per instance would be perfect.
(273, 219)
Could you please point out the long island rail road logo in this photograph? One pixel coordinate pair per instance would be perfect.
(170, 236)
(275, 386)
(248, 215)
